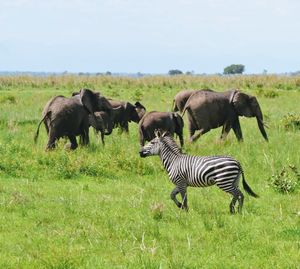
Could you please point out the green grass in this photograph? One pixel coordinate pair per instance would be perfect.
(105, 207)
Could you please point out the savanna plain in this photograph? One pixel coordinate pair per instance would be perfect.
(105, 207)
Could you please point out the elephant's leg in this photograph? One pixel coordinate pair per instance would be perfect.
(51, 140)
(85, 137)
(81, 139)
(237, 130)
(124, 127)
(198, 134)
(225, 130)
(102, 136)
(73, 141)
(192, 129)
(142, 141)
(181, 139)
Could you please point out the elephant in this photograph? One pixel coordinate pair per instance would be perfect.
(69, 117)
(126, 112)
(181, 98)
(101, 121)
(207, 110)
(170, 122)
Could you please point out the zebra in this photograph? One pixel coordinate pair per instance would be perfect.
(197, 171)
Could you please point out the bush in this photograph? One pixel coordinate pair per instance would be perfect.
(157, 210)
(266, 93)
(287, 181)
(10, 99)
(291, 122)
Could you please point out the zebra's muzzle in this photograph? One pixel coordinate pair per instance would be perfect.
(143, 153)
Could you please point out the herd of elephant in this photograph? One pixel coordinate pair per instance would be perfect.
(206, 109)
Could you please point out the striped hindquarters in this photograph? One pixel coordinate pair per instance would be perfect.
(206, 171)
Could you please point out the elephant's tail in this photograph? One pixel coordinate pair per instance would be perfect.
(38, 129)
(142, 135)
(174, 106)
(185, 108)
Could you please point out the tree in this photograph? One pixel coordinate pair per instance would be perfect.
(234, 69)
(189, 73)
(174, 72)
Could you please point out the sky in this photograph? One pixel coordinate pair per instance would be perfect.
(149, 36)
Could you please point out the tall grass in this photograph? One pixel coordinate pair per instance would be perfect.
(104, 207)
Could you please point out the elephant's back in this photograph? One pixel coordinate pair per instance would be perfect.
(116, 103)
(67, 114)
(208, 109)
(156, 119)
(63, 105)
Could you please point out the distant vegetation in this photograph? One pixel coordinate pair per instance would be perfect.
(234, 69)
(174, 72)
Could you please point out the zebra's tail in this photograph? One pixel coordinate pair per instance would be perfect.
(247, 187)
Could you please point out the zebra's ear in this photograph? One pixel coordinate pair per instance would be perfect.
(165, 133)
(157, 133)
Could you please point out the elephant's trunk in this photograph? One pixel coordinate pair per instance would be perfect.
(109, 127)
(256, 112)
(261, 127)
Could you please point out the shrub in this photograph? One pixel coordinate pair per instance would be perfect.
(10, 99)
(157, 210)
(287, 181)
(266, 93)
(291, 122)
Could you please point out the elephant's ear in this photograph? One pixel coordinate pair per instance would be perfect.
(87, 98)
(139, 105)
(75, 93)
(127, 111)
(157, 133)
(231, 98)
(178, 120)
(131, 112)
(140, 109)
(242, 104)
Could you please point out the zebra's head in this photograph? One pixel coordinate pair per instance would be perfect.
(153, 147)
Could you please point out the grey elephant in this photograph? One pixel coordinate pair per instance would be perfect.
(181, 97)
(207, 110)
(125, 112)
(69, 117)
(102, 123)
(170, 122)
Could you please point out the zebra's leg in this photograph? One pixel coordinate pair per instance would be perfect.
(241, 201)
(184, 199)
(173, 197)
(237, 196)
(232, 204)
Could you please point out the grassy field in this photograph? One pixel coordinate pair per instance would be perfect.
(106, 207)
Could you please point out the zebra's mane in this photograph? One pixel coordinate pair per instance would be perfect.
(169, 142)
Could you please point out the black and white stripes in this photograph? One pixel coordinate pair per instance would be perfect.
(195, 171)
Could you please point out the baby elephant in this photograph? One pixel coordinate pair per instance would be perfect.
(101, 121)
(170, 122)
